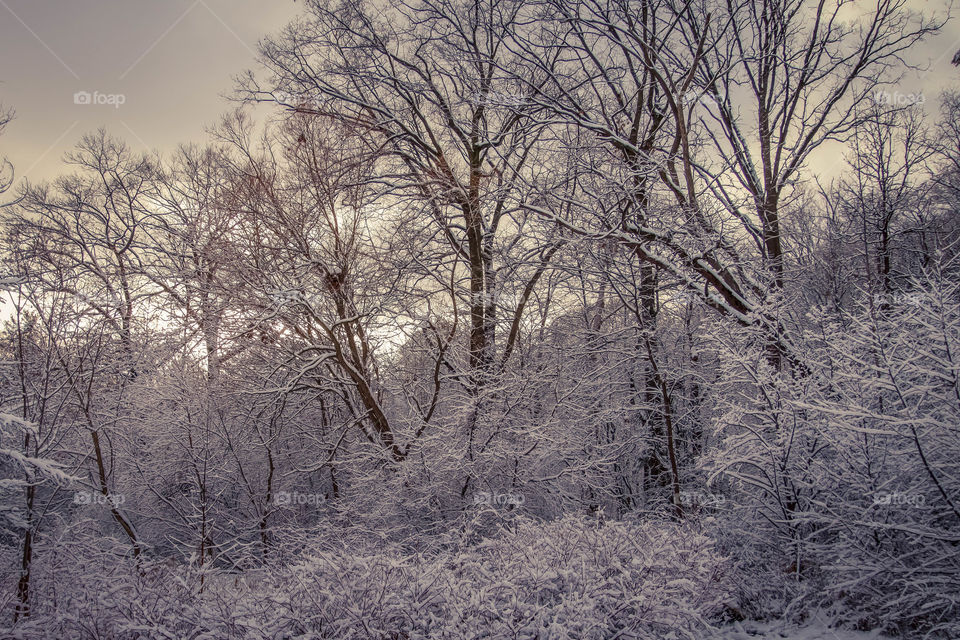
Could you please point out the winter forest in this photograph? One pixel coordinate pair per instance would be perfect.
(501, 319)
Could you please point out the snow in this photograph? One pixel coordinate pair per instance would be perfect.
(785, 631)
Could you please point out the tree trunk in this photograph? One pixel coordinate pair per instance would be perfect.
(26, 559)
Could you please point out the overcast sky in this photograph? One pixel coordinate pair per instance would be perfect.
(171, 61)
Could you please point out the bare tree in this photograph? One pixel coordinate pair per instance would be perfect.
(6, 167)
(424, 81)
(886, 196)
(797, 67)
(79, 238)
(786, 79)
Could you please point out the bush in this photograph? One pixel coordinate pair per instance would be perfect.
(572, 578)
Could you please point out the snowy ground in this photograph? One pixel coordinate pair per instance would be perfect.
(780, 631)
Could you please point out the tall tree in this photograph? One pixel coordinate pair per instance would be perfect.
(425, 82)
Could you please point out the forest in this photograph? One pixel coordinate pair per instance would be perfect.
(500, 319)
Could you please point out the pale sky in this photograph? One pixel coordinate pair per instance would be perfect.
(170, 60)
(173, 60)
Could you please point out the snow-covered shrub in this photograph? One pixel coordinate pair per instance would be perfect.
(845, 478)
(572, 578)
(567, 579)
